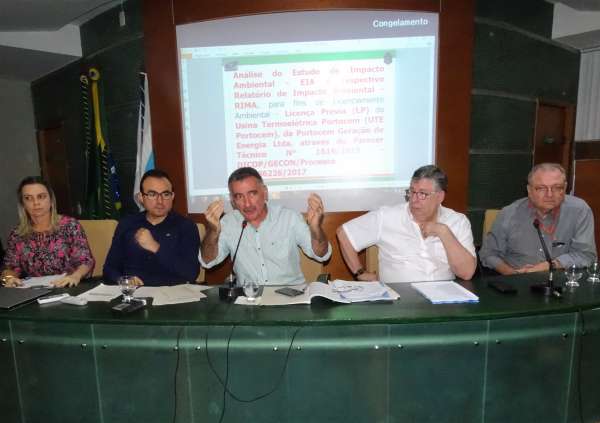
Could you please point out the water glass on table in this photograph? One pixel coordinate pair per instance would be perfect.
(128, 286)
(594, 272)
(573, 274)
(251, 289)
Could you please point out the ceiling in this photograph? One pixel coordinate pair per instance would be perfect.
(52, 15)
(22, 18)
(581, 5)
(49, 15)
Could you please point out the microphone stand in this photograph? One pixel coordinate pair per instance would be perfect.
(229, 291)
(547, 289)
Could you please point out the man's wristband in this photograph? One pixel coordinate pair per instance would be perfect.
(359, 272)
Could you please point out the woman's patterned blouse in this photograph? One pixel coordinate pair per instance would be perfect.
(49, 253)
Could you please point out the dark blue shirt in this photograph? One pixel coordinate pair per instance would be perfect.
(175, 262)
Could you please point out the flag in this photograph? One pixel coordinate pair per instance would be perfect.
(102, 194)
(145, 154)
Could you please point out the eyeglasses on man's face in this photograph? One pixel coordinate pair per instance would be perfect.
(153, 195)
(421, 195)
(554, 189)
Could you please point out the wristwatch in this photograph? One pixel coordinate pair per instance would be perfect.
(359, 272)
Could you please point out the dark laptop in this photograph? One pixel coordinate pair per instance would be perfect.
(13, 297)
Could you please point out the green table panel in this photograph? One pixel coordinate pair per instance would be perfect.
(9, 391)
(529, 368)
(244, 360)
(136, 372)
(56, 370)
(437, 371)
(339, 374)
(585, 392)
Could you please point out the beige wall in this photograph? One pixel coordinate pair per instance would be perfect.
(18, 147)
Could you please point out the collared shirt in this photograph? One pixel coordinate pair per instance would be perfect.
(267, 254)
(404, 256)
(514, 240)
(175, 262)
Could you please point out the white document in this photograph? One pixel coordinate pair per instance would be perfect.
(445, 292)
(358, 291)
(101, 293)
(338, 291)
(314, 289)
(177, 294)
(41, 281)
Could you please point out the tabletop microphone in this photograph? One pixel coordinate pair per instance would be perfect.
(244, 224)
(230, 291)
(547, 288)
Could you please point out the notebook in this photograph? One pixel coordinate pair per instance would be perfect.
(13, 297)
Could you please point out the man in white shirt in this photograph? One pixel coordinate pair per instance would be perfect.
(419, 240)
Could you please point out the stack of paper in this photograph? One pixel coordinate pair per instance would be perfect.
(41, 281)
(101, 293)
(338, 291)
(363, 291)
(445, 292)
(162, 295)
(177, 294)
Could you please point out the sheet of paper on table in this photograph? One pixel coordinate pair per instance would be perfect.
(101, 293)
(176, 294)
(338, 291)
(40, 281)
(445, 292)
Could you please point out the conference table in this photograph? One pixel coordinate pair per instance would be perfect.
(507, 358)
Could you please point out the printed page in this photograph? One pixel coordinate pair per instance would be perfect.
(270, 297)
(43, 281)
(320, 289)
(177, 294)
(101, 293)
(357, 291)
(445, 292)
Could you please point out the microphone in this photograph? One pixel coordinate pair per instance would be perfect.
(231, 276)
(548, 288)
(230, 291)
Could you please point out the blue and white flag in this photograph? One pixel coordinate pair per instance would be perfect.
(145, 154)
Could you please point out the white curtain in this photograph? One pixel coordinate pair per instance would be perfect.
(587, 125)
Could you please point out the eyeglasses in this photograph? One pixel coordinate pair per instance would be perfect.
(153, 195)
(421, 195)
(555, 189)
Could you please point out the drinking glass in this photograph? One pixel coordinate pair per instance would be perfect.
(128, 287)
(250, 290)
(594, 272)
(573, 274)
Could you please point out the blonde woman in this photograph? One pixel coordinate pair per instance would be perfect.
(44, 242)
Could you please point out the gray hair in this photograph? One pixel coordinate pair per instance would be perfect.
(434, 173)
(243, 173)
(546, 167)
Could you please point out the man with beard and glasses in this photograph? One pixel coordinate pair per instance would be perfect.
(156, 246)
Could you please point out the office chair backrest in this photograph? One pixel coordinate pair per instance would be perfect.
(488, 220)
(99, 234)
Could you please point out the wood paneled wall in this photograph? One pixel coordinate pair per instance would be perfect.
(587, 171)
(454, 87)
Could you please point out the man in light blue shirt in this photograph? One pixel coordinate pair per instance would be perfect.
(268, 250)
